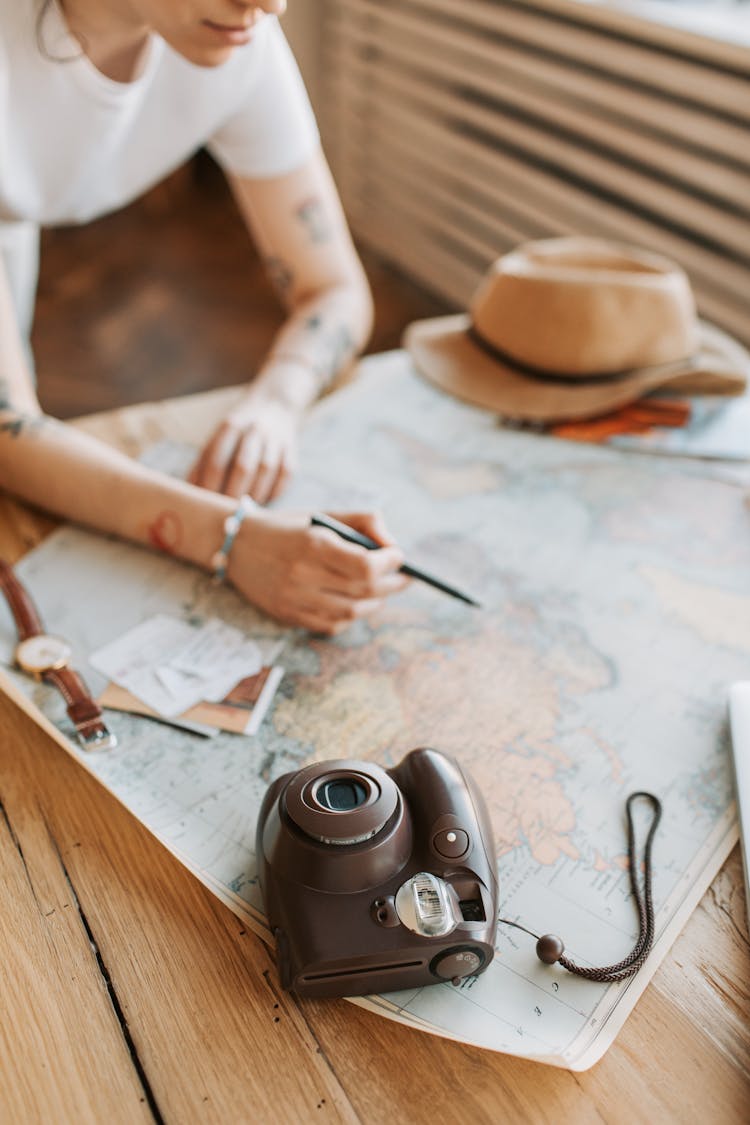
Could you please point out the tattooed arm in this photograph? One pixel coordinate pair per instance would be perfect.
(298, 225)
(299, 574)
(55, 467)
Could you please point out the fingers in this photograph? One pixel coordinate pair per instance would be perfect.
(210, 469)
(311, 577)
(271, 470)
(351, 567)
(259, 468)
(244, 465)
(370, 587)
(239, 463)
(332, 613)
(356, 571)
(333, 583)
(370, 524)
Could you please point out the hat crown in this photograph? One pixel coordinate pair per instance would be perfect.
(583, 306)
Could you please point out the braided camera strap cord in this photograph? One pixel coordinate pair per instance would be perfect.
(549, 947)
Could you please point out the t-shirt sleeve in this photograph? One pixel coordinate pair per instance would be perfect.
(273, 131)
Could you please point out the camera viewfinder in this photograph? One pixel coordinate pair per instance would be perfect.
(341, 795)
(472, 910)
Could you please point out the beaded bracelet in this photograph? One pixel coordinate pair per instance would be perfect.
(220, 560)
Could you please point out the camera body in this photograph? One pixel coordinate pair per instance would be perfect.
(375, 880)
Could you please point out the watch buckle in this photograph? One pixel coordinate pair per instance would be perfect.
(100, 739)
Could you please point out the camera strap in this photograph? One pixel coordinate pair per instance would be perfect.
(550, 949)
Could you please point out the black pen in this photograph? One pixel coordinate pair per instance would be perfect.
(345, 532)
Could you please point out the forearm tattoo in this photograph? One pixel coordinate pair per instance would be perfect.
(334, 347)
(311, 213)
(329, 350)
(16, 421)
(165, 533)
(280, 276)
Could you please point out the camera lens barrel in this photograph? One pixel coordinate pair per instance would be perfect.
(338, 827)
(342, 805)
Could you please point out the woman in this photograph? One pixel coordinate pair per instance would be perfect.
(99, 99)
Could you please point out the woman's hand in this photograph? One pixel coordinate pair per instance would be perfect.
(308, 576)
(252, 452)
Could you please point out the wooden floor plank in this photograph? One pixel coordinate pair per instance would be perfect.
(710, 956)
(212, 1034)
(63, 1053)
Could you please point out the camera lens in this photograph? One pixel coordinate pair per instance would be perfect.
(342, 802)
(341, 795)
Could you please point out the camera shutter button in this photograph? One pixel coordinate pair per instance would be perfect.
(451, 842)
(456, 964)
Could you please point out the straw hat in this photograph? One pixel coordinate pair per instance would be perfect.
(574, 327)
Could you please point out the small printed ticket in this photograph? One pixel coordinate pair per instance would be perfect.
(171, 665)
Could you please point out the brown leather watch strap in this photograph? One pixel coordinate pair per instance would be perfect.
(83, 711)
(21, 606)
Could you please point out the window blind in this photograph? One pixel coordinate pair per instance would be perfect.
(457, 130)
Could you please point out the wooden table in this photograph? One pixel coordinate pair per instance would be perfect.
(129, 993)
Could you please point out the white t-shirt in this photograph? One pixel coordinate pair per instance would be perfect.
(75, 145)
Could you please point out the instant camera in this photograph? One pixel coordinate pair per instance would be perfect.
(376, 880)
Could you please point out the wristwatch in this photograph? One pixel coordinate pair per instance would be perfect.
(48, 658)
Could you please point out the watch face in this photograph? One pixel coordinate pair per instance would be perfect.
(42, 654)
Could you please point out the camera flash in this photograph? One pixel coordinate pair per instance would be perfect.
(425, 906)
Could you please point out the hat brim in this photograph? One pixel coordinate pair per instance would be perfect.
(445, 353)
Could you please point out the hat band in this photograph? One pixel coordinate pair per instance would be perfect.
(546, 375)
